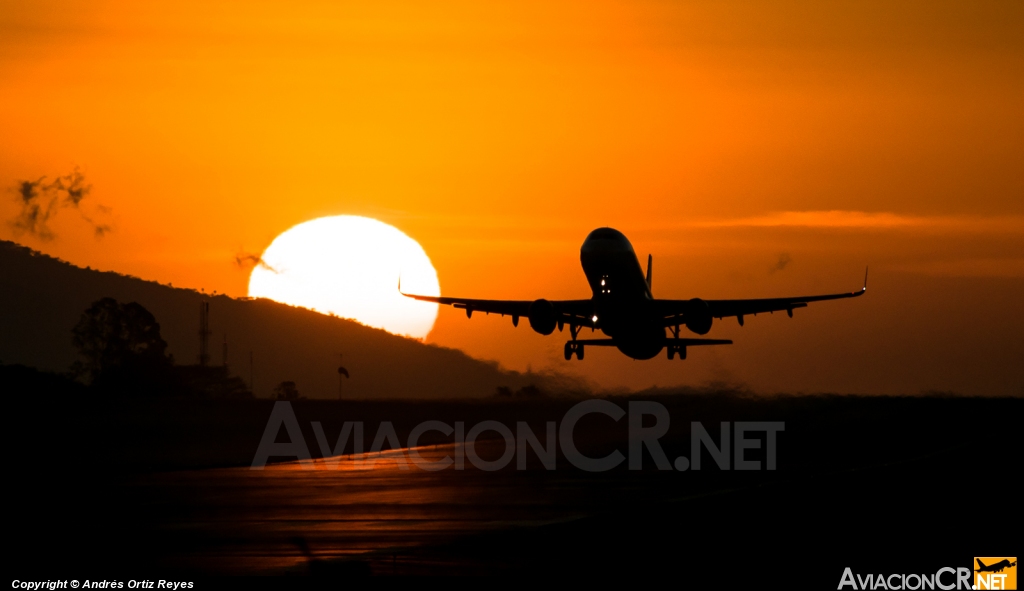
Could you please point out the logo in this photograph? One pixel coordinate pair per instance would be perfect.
(995, 572)
(990, 572)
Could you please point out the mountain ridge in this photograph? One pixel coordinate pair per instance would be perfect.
(42, 297)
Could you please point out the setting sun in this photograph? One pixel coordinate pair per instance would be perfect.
(349, 266)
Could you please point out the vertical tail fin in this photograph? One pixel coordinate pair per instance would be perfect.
(650, 266)
(980, 563)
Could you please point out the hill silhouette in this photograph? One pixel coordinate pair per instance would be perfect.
(42, 298)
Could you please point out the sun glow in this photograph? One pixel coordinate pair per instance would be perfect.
(349, 266)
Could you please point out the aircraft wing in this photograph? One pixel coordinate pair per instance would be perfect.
(511, 307)
(578, 312)
(675, 311)
(724, 308)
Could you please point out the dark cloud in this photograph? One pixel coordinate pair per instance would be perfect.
(247, 260)
(38, 205)
(100, 230)
(74, 187)
(782, 263)
(40, 201)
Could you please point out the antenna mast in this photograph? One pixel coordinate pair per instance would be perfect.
(204, 333)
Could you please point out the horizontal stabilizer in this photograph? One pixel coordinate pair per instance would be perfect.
(666, 342)
(697, 342)
(596, 342)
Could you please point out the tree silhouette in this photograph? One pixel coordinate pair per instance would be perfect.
(286, 391)
(121, 347)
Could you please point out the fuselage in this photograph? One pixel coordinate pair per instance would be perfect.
(622, 298)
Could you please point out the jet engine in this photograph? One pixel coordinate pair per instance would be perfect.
(698, 316)
(543, 317)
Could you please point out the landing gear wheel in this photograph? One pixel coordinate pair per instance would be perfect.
(573, 348)
(674, 350)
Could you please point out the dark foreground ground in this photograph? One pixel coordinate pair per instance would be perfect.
(162, 490)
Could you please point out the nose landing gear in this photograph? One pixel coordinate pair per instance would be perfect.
(573, 348)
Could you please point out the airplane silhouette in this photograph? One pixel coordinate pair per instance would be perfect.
(623, 308)
(994, 568)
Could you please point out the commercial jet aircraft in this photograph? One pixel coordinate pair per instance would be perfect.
(994, 568)
(623, 308)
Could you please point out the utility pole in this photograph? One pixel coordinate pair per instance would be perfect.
(204, 333)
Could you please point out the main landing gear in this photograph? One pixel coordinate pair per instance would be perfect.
(573, 348)
(676, 349)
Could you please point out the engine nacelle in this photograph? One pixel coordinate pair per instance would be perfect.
(543, 317)
(698, 316)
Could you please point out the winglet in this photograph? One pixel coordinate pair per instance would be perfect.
(865, 288)
(650, 265)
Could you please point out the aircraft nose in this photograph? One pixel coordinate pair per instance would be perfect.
(605, 234)
(605, 240)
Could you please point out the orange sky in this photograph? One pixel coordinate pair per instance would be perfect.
(717, 136)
